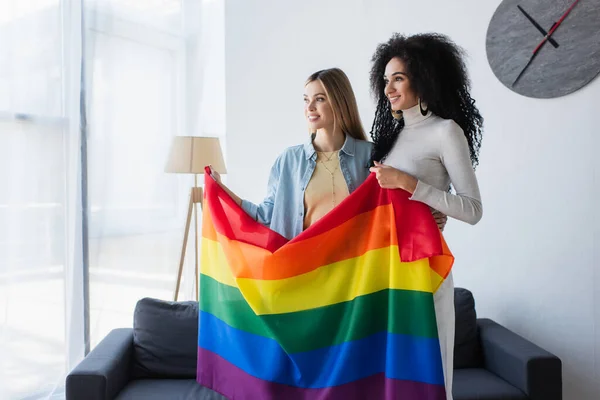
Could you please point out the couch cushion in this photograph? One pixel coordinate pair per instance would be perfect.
(171, 389)
(165, 339)
(467, 349)
(479, 384)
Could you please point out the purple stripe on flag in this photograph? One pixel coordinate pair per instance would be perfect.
(218, 374)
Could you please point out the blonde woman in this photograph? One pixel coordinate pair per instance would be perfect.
(309, 180)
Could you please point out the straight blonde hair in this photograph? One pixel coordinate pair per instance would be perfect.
(343, 102)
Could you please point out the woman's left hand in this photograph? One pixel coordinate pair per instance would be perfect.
(392, 178)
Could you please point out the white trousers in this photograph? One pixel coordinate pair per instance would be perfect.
(443, 300)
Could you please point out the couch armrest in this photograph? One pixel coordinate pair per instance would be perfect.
(105, 371)
(530, 368)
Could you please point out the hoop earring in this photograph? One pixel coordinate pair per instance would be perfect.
(423, 112)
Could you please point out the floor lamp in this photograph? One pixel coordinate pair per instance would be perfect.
(189, 155)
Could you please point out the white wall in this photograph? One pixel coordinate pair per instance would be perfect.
(531, 262)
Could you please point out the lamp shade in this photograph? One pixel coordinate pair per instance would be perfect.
(190, 154)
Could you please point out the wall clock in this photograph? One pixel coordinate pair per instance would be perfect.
(545, 48)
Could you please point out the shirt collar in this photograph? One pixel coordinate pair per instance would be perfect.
(348, 147)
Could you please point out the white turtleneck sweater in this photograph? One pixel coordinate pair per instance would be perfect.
(435, 151)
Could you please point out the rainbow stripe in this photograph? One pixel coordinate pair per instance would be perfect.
(343, 311)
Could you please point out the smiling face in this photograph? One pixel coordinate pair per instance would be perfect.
(317, 107)
(397, 86)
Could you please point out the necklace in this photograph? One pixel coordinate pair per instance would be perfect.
(323, 153)
(331, 173)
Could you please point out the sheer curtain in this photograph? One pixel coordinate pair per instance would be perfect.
(33, 219)
(132, 56)
(91, 93)
(145, 68)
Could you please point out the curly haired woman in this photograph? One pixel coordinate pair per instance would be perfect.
(427, 136)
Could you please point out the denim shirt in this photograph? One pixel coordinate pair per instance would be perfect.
(282, 210)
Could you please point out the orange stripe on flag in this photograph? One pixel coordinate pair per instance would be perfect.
(351, 239)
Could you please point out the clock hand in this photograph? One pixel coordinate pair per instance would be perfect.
(543, 42)
(524, 69)
(556, 25)
(535, 53)
(539, 28)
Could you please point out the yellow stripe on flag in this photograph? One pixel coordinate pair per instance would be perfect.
(373, 271)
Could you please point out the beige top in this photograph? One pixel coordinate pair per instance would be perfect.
(326, 188)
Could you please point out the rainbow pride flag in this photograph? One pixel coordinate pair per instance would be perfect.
(343, 311)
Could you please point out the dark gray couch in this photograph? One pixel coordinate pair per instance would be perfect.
(157, 359)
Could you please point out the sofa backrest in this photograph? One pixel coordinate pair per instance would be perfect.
(165, 337)
(467, 348)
